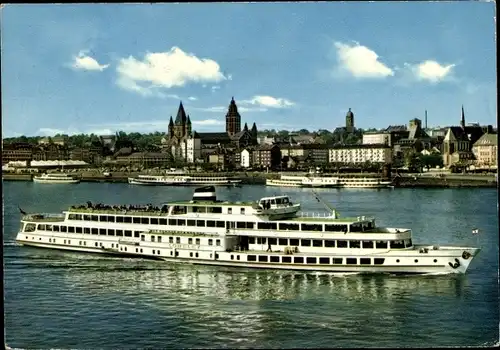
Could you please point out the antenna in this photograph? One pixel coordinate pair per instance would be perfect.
(426, 118)
(327, 206)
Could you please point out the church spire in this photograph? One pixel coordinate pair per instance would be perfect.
(462, 122)
(245, 127)
(181, 115)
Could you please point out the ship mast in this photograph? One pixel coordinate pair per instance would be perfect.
(326, 205)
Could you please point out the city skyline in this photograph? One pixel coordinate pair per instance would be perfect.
(102, 68)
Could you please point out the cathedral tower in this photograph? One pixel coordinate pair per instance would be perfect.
(233, 119)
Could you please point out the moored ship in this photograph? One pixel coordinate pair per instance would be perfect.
(182, 180)
(340, 181)
(269, 233)
(56, 178)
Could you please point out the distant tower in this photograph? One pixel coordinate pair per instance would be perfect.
(349, 121)
(245, 128)
(462, 122)
(180, 122)
(171, 128)
(253, 131)
(233, 119)
(188, 127)
(426, 119)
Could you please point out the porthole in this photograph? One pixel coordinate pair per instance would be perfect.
(191, 254)
(416, 260)
(26, 237)
(232, 257)
(171, 253)
(158, 252)
(237, 257)
(196, 254)
(397, 260)
(435, 260)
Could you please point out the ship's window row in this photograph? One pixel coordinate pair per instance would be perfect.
(285, 226)
(314, 260)
(329, 243)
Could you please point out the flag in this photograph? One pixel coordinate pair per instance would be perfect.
(22, 211)
(475, 231)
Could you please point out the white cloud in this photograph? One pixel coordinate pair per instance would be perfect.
(166, 70)
(223, 109)
(72, 131)
(360, 61)
(269, 101)
(207, 122)
(84, 62)
(192, 98)
(215, 87)
(431, 71)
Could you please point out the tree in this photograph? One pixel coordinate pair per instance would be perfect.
(431, 160)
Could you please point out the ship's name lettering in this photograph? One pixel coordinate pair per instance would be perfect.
(183, 246)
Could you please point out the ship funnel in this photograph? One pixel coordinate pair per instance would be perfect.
(206, 193)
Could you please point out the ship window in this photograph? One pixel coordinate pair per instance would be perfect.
(111, 232)
(324, 260)
(190, 241)
(127, 219)
(289, 227)
(237, 257)
(240, 224)
(159, 239)
(63, 229)
(78, 229)
(196, 255)
(173, 222)
(128, 233)
(210, 223)
(351, 261)
(232, 257)
(266, 226)
(197, 241)
(190, 254)
(200, 223)
(283, 241)
(354, 244)
(103, 218)
(252, 258)
(143, 237)
(177, 240)
(261, 240)
(312, 227)
(199, 209)
(336, 228)
(71, 229)
(210, 242)
(408, 242)
(86, 230)
(181, 222)
(229, 210)
(136, 220)
(272, 241)
(29, 228)
(220, 224)
(102, 231)
(141, 250)
(305, 242)
(78, 217)
(250, 225)
(71, 217)
(242, 211)
(152, 238)
(365, 261)
(298, 260)
(145, 221)
(355, 228)
(251, 240)
(191, 222)
(329, 243)
(154, 221)
(179, 209)
(217, 242)
(294, 242)
(397, 244)
(317, 243)
(111, 218)
(136, 234)
(337, 261)
(215, 210)
(263, 258)
(381, 244)
(367, 244)
(378, 261)
(55, 227)
(286, 259)
(163, 221)
(311, 260)
(170, 239)
(119, 233)
(119, 219)
(341, 244)
(275, 259)
(87, 217)
(94, 217)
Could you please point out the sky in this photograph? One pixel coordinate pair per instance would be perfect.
(103, 68)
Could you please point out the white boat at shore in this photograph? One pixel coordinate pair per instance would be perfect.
(337, 181)
(56, 178)
(269, 233)
(182, 180)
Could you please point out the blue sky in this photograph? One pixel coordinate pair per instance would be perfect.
(106, 67)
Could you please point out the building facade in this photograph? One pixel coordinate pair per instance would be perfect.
(377, 138)
(486, 150)
(358, 154)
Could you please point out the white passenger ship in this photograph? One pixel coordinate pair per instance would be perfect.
(269, 233)
(56, 178)
(182, 180)
(329, 181)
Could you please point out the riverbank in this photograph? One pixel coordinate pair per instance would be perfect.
(405, 181)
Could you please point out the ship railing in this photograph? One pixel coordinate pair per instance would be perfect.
(44, 216)
(305, 214)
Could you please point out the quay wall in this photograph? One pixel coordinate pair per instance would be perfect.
(404, 181)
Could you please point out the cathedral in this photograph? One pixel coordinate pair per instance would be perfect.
(180, 130)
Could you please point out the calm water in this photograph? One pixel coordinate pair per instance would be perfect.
(70, 300)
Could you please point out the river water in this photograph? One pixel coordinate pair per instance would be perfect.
(71, 300)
